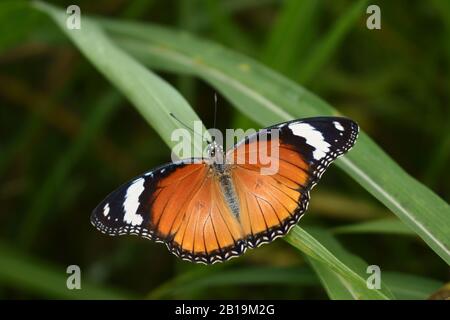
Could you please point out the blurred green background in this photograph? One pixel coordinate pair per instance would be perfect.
(68, 138)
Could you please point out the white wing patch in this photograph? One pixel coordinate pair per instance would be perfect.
(313, 137)
(338, 126)
(106, 209)
(131, 203)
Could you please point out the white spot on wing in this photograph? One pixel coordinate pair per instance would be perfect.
(338, 126)
(313, 137)
(131, 203)
(106, 209)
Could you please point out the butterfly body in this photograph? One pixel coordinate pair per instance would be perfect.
(209, 210)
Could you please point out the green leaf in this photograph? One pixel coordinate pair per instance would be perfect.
(29, 274)
(347, 270)
(410, 287)
(336, 287)
(387, 225)
(268, 98)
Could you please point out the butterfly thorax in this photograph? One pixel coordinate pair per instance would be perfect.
(216, 155)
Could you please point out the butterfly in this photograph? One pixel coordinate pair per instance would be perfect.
(214, 209)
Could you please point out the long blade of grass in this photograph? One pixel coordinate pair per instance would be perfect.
(337, 205)
(348, 269)
(31, 275)
(387, 225)
(335, 286)
(267, 98)
(403, 286)
(410, 287)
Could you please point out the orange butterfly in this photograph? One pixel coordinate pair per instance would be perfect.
(213, 209)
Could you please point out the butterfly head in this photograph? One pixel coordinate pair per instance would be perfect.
(215, 152)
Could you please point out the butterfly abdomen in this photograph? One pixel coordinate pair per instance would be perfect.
(229, 193)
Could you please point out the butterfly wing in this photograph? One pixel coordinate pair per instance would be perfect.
(271, 204)
(127, 209)
(179, 204)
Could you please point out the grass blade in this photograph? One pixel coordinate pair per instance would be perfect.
(410, 287)
(348, 268)
(387, 225)
(335, 286)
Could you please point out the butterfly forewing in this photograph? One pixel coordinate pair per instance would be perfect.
(126, 210)
(319, 140)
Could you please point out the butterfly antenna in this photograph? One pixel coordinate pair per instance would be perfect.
(215, 109)
(187, 127)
